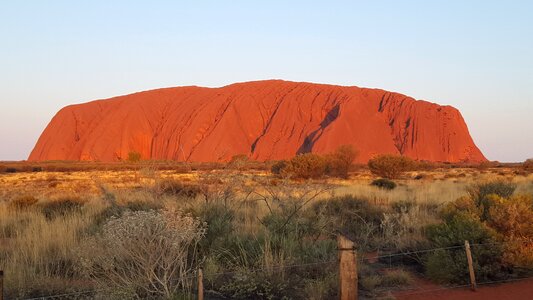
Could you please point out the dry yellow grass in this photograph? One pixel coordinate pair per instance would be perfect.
(36, 251)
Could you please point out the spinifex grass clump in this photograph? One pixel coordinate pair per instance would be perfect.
(384, 183)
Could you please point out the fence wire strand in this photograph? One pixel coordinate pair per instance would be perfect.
(281, 268)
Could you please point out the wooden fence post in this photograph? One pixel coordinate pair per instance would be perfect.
(1, 285)
(347, 269)
(200, 285)
(470, 266)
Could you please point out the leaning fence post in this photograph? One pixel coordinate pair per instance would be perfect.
(470, 266)
(1, 285)
(347, 269)
(200, 285)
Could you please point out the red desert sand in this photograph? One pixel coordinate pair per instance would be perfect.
(520, 290)
(266, 120)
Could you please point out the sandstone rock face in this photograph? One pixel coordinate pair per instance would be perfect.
(267, 120)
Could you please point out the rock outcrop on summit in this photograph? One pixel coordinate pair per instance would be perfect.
(266, 120)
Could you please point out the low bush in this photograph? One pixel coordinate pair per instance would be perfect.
(173, 187)
(248, 285)
(239, 161)
(134, 156)
(396, 278)
(481, 193)
(449, 265)
(11, 170)
(305, 166)
(403, 206)
(339, 162)
(419, 177)
(61, 207)
(145, 254)
(310, 165)
(528, 165)
(513, 218)
(390, 166)
(503, 189)
(143, 205)
(384, 183)
(219, 220)
(354, 217)
(278, 166)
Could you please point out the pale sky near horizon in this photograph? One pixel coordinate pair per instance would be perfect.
(474, 55)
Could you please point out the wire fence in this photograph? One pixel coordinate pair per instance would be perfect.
(421, 284)
(381, 262)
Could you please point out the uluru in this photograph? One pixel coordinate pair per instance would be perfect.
(265, 120)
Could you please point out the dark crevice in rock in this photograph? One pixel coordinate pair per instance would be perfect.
(311, 139)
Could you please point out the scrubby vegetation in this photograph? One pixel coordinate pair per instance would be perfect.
(384, 183)
(528, 165)
(492, 217)
(145, 233)
(310, 165)
(134, 156)
(390, 166)
(143, 254)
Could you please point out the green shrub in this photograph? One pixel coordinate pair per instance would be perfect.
(354, 217)
(462, 206)
(390, 166)
(247, 285)
(349, 207)
(278, 166)
(134, 156)
(395, 278)
(480, 194)
(143, 205)
(403, 206)
(11, 170)
(219, 220)
(503, 189)
(384, 183)
(62, 207)
(173, 187)
(450, 265)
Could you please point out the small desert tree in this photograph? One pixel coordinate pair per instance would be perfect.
(144, 253)
(239, 161)
(340, 161)
(390, 166)
(134, 156)
(528, 165)
(308, 165)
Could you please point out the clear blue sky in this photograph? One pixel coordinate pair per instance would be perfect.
(474, 55)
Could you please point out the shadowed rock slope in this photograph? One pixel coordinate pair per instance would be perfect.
(267, 120)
